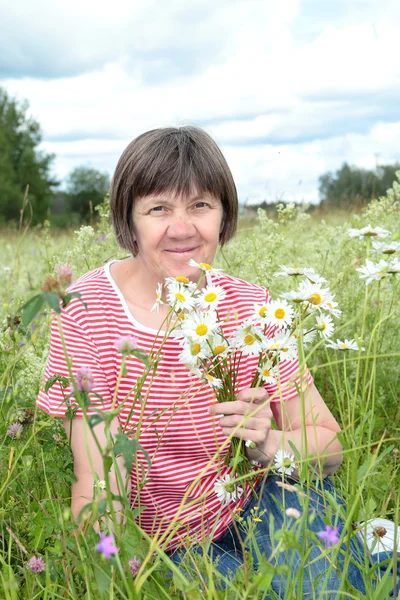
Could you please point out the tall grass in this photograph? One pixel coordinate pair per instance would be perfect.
(36, 469)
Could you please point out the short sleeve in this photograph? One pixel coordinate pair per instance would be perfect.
(82, 352)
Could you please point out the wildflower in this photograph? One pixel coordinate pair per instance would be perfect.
(51, 284)
(100, 484)
(284, 462)
(330, 536)
(250, 444)
(280, 313)
(210, 297)
(346, 345)
(261, 312)
(386, 247)
(325, 325)
(192, 353)
(393, 266)
(106, 545)
(257, 520)
(315, 295)
(368, 231)
(213, 381)
(134, 565)
(36, 564)
(284, 344)
(292, 271)
(64, 274)
(199, 327)
(219, 345)
(15, 431)
(293, 513)
(126, 344)
(180, 296)
(84, 379)
(226, 490)
(205, 267)
(294, 296)
(268, 372)
(373, 271)
(157, 303)
(249, 339)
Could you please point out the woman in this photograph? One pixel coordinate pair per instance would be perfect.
(173, 199)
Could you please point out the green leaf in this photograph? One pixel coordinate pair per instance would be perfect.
(63, 381)
(94, 420)
(128, 448)
(53, 300)
(31, 308)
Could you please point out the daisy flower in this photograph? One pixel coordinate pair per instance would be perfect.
(205, 267)
(284, 344)
(373, 271)
(219, 345)
(268, 372)
(260, 313)
(192, 353)
(157, 303)
(294, 296)
(308, 337)
(226, 490)
(210, 297)
(248, 339)
(325, 325)
(284, 462)
(368, 231)
(199, 327)
(345, 345)
(331, 307)
(315, 295)
(393, 266)
(292, 271)
(280, 313)
(250, 444)
(386, 247)
(180, 296)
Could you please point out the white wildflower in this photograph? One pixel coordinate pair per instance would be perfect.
(345, 345)
(325, 325)
(250, 444)
(284, 462)
(210, 296)
(284, 344)
(226, 490)
(293, 513)
(180, 296)
(269, 372)
(200, 326)
(280, 313)
(368, 231)
(205, 267)
(249, 339)
(386, 247)
(158, 301)
(373, 271)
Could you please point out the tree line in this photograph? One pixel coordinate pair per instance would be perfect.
(23, 164)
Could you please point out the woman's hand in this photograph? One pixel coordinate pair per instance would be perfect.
(254, 428)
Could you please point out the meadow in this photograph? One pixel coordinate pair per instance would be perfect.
(360, 386)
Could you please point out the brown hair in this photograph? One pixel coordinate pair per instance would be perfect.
(170, 159)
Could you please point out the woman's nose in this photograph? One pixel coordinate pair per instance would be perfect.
(181, 226)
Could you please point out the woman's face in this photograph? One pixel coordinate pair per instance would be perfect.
(170, 230)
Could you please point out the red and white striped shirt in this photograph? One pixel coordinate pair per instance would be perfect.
(181, 438)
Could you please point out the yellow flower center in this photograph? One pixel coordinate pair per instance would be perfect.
(284, 349)
(249, 339)
(180, 297)
(315, 299)
(195, 349)
(266, 373)
(219, 349)
(201, 329)
(181, 279)
(279, 313)
(322, 325)
(344, 346)
(210, 297)
(205, 266)
(389, 251)
(263, 311)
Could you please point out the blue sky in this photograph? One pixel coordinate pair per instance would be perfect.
(289, 89)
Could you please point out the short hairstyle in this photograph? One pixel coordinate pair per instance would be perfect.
(170, 159)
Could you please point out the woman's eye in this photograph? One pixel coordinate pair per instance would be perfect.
(201, 204)
(157, 209)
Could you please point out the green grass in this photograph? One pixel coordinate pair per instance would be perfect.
(36, 471)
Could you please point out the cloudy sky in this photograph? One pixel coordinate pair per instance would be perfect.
(289, 89)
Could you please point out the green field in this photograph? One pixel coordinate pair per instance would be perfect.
(360, 387)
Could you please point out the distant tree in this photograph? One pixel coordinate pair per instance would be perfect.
(22, 163)
(86, 189)
(352, 186)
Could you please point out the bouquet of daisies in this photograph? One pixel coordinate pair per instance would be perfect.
(272, 334)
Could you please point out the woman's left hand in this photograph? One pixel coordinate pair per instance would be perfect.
(249, 401)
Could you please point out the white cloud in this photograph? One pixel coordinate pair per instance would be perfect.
(284, 107)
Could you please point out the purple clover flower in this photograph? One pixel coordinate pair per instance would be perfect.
(330, 536)
(134, 565)
(106, 545)
(125, 344)
(36, 564)
(84, 379)
(15, 431)
(64, 275)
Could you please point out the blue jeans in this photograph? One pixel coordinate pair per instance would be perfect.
(299, 569)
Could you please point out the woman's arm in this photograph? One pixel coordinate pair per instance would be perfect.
(88, 461)
(320, 442)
